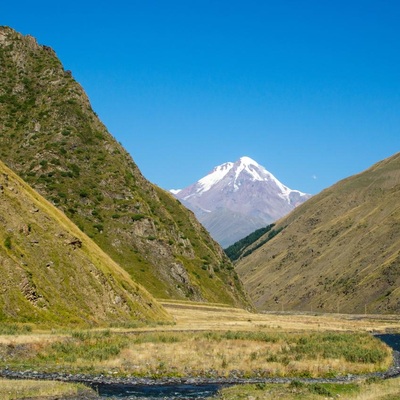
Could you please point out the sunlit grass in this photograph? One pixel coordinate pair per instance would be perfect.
(23, 389)
(209, 353)
(381, 390)
(15, 329)
(210, 341)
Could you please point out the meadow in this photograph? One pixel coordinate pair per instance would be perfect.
(210, 341)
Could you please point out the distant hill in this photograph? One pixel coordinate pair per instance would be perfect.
(235, 199)
(53, 274)
(52, 138)
(339, 251)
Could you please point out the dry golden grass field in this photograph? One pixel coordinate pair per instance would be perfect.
(10, 389)
(190, 316)
(215, 341)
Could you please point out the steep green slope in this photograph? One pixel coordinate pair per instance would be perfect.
(52, 273)
(51, 137)
(339, 251)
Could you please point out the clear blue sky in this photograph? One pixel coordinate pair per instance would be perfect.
(308, 88)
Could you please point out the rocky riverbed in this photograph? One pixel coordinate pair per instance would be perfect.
(109, 386)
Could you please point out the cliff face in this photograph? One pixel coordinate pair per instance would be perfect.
(51, 137)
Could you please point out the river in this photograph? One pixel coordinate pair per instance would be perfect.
(182, 391)
(392, 340)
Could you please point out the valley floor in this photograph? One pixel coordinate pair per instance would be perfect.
(209, 342)
(189, 316)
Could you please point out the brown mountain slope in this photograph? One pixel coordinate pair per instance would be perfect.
(52, 273)
(339, 251)
(51, 137)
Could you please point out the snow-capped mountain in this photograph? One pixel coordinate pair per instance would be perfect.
(235, 199)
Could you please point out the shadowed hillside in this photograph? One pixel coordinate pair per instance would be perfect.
(51, 137)
(339, 251)
(52, 273)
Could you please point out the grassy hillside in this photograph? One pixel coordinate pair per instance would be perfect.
(53, 274)
(337, 252)
(52, 138)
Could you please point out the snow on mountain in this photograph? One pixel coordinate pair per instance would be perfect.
(235, 199)
(214, 177)
(175, 191)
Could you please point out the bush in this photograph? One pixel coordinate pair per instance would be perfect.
(99, 227)
(296, 384)
(318, 388)
(7, 242)
(137, 217)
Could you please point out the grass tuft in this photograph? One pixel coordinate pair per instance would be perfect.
(14, 329)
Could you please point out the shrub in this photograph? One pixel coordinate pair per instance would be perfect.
(137, 217)
(296, 384)
(7, 242)
(99, 227)
(261, 386)
(318, 388)
(75, 170)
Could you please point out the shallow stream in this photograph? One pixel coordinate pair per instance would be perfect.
(392, 340)
(185, 391)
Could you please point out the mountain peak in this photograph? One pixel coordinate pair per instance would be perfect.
(248, 161)
(235, 199)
